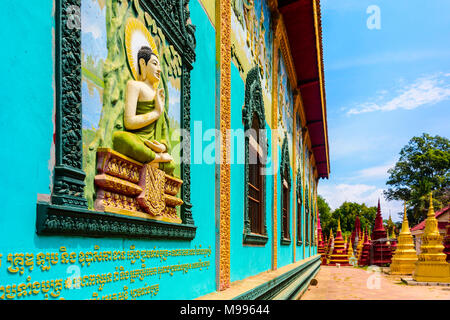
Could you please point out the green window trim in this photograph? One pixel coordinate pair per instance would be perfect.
(299, 209)
(285, 174)
(254, 107)
(307, 218)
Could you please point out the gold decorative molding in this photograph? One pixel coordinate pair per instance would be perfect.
(275, 145)
(283, 44)
(223, 60)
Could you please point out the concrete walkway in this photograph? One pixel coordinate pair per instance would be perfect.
(349, 283)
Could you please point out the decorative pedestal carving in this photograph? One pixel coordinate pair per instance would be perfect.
(128, 187)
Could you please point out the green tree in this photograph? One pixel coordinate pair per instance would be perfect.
(347, 213)
(324, 213)
(423, 167)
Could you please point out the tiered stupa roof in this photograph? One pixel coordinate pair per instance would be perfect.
(382, 253)
(339, 255)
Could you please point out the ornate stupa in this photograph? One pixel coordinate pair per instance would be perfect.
(350, 250)
(356, 233)
(431, 265)
(382, 253)
(339, 255)
(346, 244)
(360, 245)
(330, 245)
(365, 252)
(447, 241)
(392, 237)
(404, 260)
(393, 240)
(320, 245)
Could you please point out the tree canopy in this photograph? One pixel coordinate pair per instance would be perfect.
(423, 167)
(347, 213)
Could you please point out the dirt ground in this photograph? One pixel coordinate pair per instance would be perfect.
(350, 283)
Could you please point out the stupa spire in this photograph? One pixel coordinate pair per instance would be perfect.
(431, 265)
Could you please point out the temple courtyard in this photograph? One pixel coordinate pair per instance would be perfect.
(368, 283)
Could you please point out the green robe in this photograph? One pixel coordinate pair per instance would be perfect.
(131, 143)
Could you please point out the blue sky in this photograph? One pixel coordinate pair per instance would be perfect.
(383, 86)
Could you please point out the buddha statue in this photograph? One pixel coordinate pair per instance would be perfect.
(146, 135)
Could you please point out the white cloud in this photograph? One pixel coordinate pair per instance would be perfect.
(377, 172)
(424, 91)
(336, 194)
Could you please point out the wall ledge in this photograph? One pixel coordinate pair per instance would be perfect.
(285, 283)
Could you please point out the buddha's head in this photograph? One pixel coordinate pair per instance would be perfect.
(148, 65)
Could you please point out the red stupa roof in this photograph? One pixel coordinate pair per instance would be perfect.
(421, 225)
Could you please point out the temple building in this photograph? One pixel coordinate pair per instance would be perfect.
(447, 242)
(442, 216)
(169, 149)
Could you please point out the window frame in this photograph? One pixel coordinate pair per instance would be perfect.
(285, 174)
(307, 216)
(254, 107)
(67, 212)
(299, 209)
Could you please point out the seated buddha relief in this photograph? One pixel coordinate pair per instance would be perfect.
(136, 176)
(146, 136)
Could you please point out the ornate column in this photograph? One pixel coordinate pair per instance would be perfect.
(223, 125)
(276, 44)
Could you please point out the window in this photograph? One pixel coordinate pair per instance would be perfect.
(255, 182)
(307, 217)
(285, 209)
(255, 228)
(299, 209)
(285, 193)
